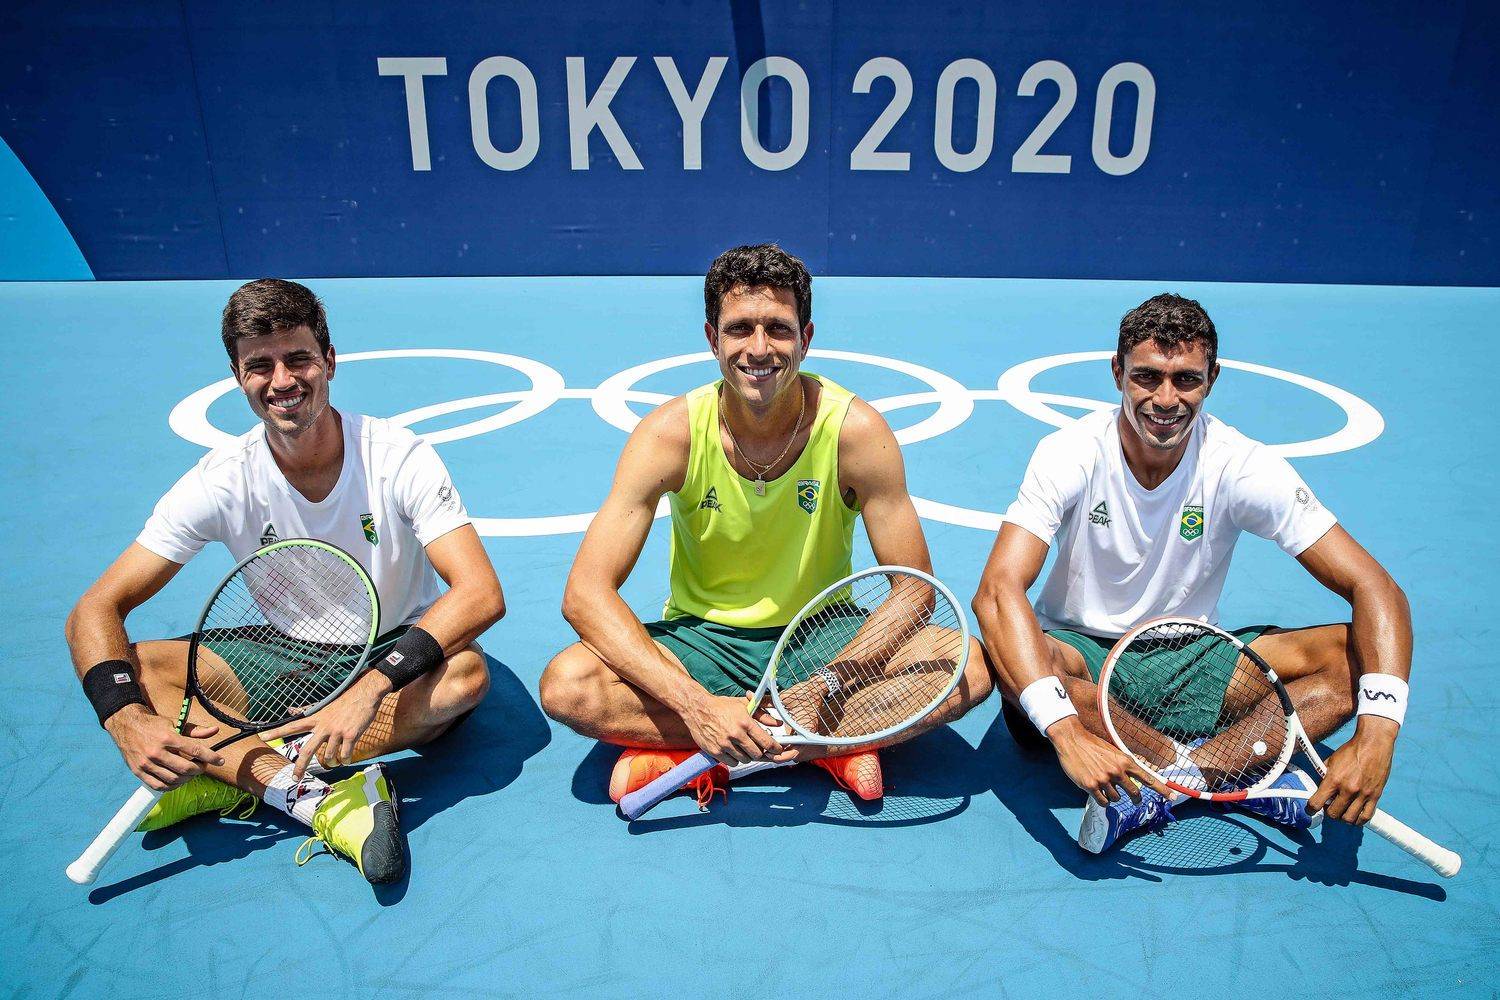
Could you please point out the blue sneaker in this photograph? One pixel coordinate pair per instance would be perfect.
(1103, 826)
(1287, 812)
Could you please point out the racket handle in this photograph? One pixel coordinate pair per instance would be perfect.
(1441, 860)
(86, 868)
(635, 805)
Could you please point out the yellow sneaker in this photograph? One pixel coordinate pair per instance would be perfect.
(357, 821)
(194, 797)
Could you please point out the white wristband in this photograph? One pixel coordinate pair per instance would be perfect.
(1382, 695)
(1045, 701)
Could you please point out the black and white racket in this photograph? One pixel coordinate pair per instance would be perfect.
(284, 634)
(1206, 715)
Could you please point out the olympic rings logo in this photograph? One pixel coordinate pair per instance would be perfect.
(612, 399)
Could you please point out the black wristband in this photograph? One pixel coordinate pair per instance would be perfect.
(414, 654)
(110, 686)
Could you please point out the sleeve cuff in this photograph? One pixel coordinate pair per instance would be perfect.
(1309, 535)
(431, 531)
(167, 549)
(1023, 520)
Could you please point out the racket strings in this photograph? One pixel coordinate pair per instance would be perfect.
(283, 634)
(891, 644)
(1187, 704)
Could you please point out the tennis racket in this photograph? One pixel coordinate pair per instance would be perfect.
(1207, 716)
(284, 634)
(865, 659)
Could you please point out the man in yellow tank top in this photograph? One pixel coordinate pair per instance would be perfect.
(766, 471)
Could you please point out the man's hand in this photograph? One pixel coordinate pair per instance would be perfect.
(1096, 766)
(339, 726)
(155, 752)
(1357, 772)
(730, 735)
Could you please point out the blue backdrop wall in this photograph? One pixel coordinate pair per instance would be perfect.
(1321, 141)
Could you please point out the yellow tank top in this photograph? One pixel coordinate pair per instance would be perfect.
(753, 561)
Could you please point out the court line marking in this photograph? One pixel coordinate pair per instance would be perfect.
(611, 399)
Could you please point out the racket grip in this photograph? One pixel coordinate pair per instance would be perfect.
(1437, 857)
(86, 868)
(636, 804)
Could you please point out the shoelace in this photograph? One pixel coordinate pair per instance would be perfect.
(838, 778)
(247, 801)
(705, 788)
(1157, 823)
(303, 847)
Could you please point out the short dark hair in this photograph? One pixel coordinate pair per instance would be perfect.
(764, 265)
(266, 305)
(1171, 321)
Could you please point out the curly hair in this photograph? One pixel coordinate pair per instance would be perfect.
(764, 265)
(1171, 321)
(266, 305)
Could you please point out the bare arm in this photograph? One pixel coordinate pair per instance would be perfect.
(870, 464)
(1012, 635)
(473, 601)
(95, 628)
(1382, 616)
(1381, 633)
(1020, 654)
(149, 743)
(653, 464)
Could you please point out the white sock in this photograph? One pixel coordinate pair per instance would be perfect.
(290, 746)
(1184, 772)
(298, 799)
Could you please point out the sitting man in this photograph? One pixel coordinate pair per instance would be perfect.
(1146, 502)
(767, 469)
(371, 488)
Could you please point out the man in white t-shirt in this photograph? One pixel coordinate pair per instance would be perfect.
(375, 490)
(1144, 504)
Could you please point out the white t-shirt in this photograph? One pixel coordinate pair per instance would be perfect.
(1126, 553)
(392, 498)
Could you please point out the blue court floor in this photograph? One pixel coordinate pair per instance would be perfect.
(966, 881)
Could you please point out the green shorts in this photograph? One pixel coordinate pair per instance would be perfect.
(259, 690)
(731, 661)
(1194, 696)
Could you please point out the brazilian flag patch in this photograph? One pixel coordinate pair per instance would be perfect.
(367, 521)
(807, 494)
(1191, 525)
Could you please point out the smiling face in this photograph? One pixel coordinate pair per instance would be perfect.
(758, 343)
(285, 379)
(1163, 389)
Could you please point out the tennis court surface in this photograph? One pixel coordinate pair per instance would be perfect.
(966, 880)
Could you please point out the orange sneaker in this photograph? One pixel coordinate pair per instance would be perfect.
(639, 766)
(857, 772)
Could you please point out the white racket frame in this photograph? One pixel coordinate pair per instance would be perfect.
(769, 687)
(637, 803)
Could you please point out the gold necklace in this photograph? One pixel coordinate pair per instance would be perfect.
(760, 472)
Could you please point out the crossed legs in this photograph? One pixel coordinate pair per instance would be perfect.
(417, 714)
(585, 694)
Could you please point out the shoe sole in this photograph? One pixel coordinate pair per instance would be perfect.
(1094, 829)
(382, 858)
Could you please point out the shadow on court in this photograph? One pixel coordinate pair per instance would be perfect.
(1205, 840)
(927, 780)
(483, 755)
